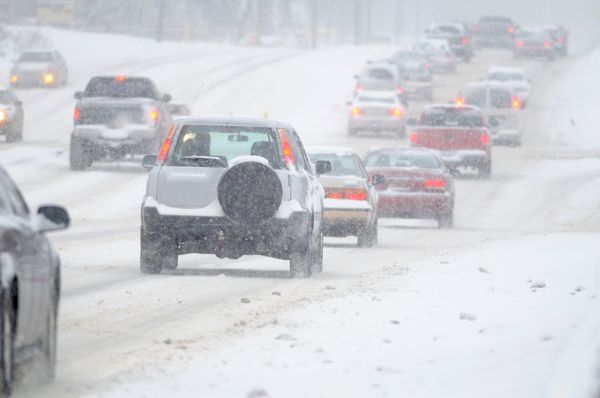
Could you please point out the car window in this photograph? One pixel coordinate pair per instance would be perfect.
(402, 159)
(110, 115)
(451, 117)
(378, 74)
(41, 56)
(225, 142)
(476, 97)
(120, 87)
(505, 76)
(500, 98)
(341, 165)
(299, 155)
(12, 196)
(385, 100)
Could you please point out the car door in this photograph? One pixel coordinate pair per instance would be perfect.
(33, 267)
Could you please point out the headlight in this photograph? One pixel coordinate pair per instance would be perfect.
(48, 78)
(14, 78)
(3, 116)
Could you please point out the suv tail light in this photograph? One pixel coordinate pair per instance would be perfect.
(396, 112)
(358, 88)
(516, 103)
(356, 111)
(286, 149)
(346, 193)
(510, 29)
(76, 115)
(434, 184)
(464, 41)
(459, 101)
(519, 43)
(547, 44)
(164, 149)
(485, 138)
(414, 138)
(399, 89)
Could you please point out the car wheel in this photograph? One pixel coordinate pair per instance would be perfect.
(446, 220)
(300, 260)
(7, 344)
(317, 260)
(485, 170)
(150, 256)
(375, 234)
(367, 236)
(168, 255)
(14, 134)
(49, 343)
(79, 158)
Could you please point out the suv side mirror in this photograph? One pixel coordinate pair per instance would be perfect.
(323, 167)
(52, 218)
(78, 95)
(149, 161)
(166, 98)
(377, 180)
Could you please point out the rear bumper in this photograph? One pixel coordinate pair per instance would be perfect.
(344, 222)
(535, 52)
(506, 135)
(225, 238)
(131, 140)
(413, 204)
(419, 90)
(467, 158)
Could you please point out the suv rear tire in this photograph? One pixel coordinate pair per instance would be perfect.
(156, 255)
(78, 156)
(7, 343)
(317, 258)
(301, 258)
(14, 133)
(368, 236)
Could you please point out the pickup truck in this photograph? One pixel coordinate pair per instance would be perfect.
(459, 132)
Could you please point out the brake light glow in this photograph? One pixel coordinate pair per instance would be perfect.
(464, 41)
(436, 183)
(346, 193)
(510, 29)
(48, 78)
(120, 78)
(516, 103)
(399, 89)
(414, 138)
(519, 44)
(76, 115)
(3, 116)
(358, 88)
(459, 101)
(286, 149)
(356, 111)
(426, 66)
(397, 112)
(560, 40)
(164, 149)
(485, 138)
(547, 44)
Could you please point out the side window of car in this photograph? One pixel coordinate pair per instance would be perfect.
(299, 153)
(15, 200)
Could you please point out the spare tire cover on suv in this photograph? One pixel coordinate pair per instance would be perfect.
(250, 192)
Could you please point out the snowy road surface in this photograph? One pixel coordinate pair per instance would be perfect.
(504, 304)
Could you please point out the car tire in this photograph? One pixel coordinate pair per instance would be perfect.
(7, 344)
(446, 220)
(300, 260)
(485, 170)
(79, 158)
(368, 236)
(14, 134)
(317, 259)
(156, 254)
(49, 342)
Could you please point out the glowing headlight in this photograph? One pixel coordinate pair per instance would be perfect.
(48, 78)
(14, 78)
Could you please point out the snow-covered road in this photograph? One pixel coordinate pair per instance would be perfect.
(502, 305)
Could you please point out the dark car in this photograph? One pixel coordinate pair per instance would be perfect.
(560, 35)
(30, 283)
(41, 68)
(117, 116)
(494, 31)
(11, 115)
(233, 187)
(457, 36)
(535, 42)
(417, 184)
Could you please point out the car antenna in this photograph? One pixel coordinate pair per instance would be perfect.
(196, 97)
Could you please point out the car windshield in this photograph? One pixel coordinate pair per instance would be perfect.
(120, 88)
(506, 76)
(476, 97)
(384, 100)
(341, 165)
(377, 74)
(451, 117)
(534, 34)
(391, 158)
(41, 56)
(112, 116)
(225, 142)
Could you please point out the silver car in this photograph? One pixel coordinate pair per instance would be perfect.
(377, 111)
(233, 187)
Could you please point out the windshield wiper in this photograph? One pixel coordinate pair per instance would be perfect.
(206, 161)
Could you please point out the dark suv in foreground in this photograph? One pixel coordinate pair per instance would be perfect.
(117, 116)
(233, 187)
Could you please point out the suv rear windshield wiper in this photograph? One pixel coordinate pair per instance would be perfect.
(206, 161)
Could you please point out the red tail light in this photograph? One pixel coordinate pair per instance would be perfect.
(396, 112)
(76, 115)
(164, 149)
(464, 41)
(560, 40)
(356, 111)
(120, 78)
(485, 138)
(358, 88)
(399, 89)
(348, 194)
(519, 44)
(426, 66)
(286, 149)
(459, 101)
(510, 29)
(516, 103)
(547, 44)
(414, 138)
(436, 183)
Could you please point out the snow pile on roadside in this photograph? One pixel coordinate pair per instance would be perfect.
(487, 310)
(576, 120)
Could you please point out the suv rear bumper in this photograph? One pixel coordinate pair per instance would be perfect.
(225, 238)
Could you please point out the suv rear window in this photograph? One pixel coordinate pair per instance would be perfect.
(35, 57)
(117, 116)
(121, 88)
(451, 117)
(225, 142)
(341, 165)
(421, 160)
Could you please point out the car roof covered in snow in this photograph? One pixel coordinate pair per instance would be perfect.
(233, 121)
(505, 69)
(336, 150)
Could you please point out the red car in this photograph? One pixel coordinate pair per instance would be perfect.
(417, 184)
(459, 132)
